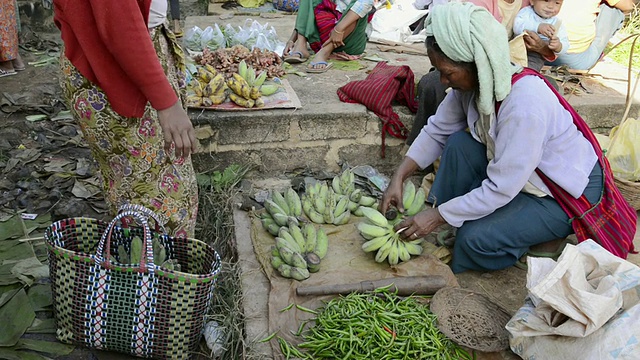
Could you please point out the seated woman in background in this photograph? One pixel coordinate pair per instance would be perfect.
(328, 26)
(488, 185)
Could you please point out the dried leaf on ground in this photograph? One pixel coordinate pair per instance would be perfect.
(8, 291)
(84, 190)
(47, 347)
(30, 270)
(83, 167)
(28, 155)
(11, 163)
(42, 326)
(57, 165)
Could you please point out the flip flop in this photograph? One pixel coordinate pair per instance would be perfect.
(295, 57)
(4, 73)
(312, 69)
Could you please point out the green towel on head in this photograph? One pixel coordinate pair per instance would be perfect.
(469, 33)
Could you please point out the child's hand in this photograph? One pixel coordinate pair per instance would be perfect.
(555, 44)
(546, 29)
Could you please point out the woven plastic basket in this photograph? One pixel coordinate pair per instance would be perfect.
(470, 319)
(140, 309)
(630, 191)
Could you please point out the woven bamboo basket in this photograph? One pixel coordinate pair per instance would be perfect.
(630, 191)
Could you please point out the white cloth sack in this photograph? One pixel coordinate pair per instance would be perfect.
(584, 306)
(392, 25)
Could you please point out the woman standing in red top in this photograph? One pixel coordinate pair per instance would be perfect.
(123, 78)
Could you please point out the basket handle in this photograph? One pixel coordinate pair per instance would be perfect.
(104, 246)
(144, 211)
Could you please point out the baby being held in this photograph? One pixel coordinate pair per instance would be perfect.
(541, 18)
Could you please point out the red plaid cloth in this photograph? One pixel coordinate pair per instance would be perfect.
(384, 84)
(612, 221)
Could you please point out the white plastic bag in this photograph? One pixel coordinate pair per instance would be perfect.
(584, 306)
(193, 39)
(624, 150)
(213, 38)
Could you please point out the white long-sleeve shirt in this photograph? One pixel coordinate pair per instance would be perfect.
(527, 19)
(532, 130)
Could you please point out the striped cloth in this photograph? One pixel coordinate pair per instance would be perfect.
(612, 221)
(382, 86)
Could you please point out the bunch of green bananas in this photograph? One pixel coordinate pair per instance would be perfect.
(381, 237)
(281, 210)
(207, 88)
(134, 255)
(323, 206)
(344, 184)
(298, 250)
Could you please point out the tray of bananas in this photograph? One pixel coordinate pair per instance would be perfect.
(243, 90)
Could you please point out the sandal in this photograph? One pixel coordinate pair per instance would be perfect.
(4, 73)
(312, 69)
(295, 57)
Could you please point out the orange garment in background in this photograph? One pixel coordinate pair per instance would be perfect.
(579, 18)
(8, 30)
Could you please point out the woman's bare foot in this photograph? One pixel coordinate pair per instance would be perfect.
(18, 63)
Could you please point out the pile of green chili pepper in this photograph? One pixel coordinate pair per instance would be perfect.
(377, 325)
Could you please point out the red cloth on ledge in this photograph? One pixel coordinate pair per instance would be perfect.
(384, 84)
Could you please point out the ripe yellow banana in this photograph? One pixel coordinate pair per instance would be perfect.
(259, 102)
(239, 85)
(218, 99)
(254, 93)
(239, 100)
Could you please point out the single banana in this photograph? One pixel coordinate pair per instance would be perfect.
(241, 101)
(281, 219)
(217, 85)
(194, 100)
(413, 249)
(315, 216)
(309, 237)
(374, 216)
(393, 253)
(259, 102)
(285, 270)
(353, 206)
(299, 273)
(383, 252)
(307, 205)
(375, 243)
(296, 232)
(289, 240)
(217, 99)
(277, 197)
(322, 243)
(408, 194)
(418, 203)
(342, 218)
(298, 260)
(254, 93)
(355, 195)
(211, 69)
(285, 253)
(269, 89)
(320, 204)
(403, 252)
(204, 75)
(335, 185)
(274, 208)
(371, 230)
(293, 201)
(276, 261)
(242, 69)
(367, 201)
(341, 206)
(207, 102)
(358, 211)
(260, 79)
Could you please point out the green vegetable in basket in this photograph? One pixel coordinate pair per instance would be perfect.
(136, 250)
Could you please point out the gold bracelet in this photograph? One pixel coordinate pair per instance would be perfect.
(338, 32)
